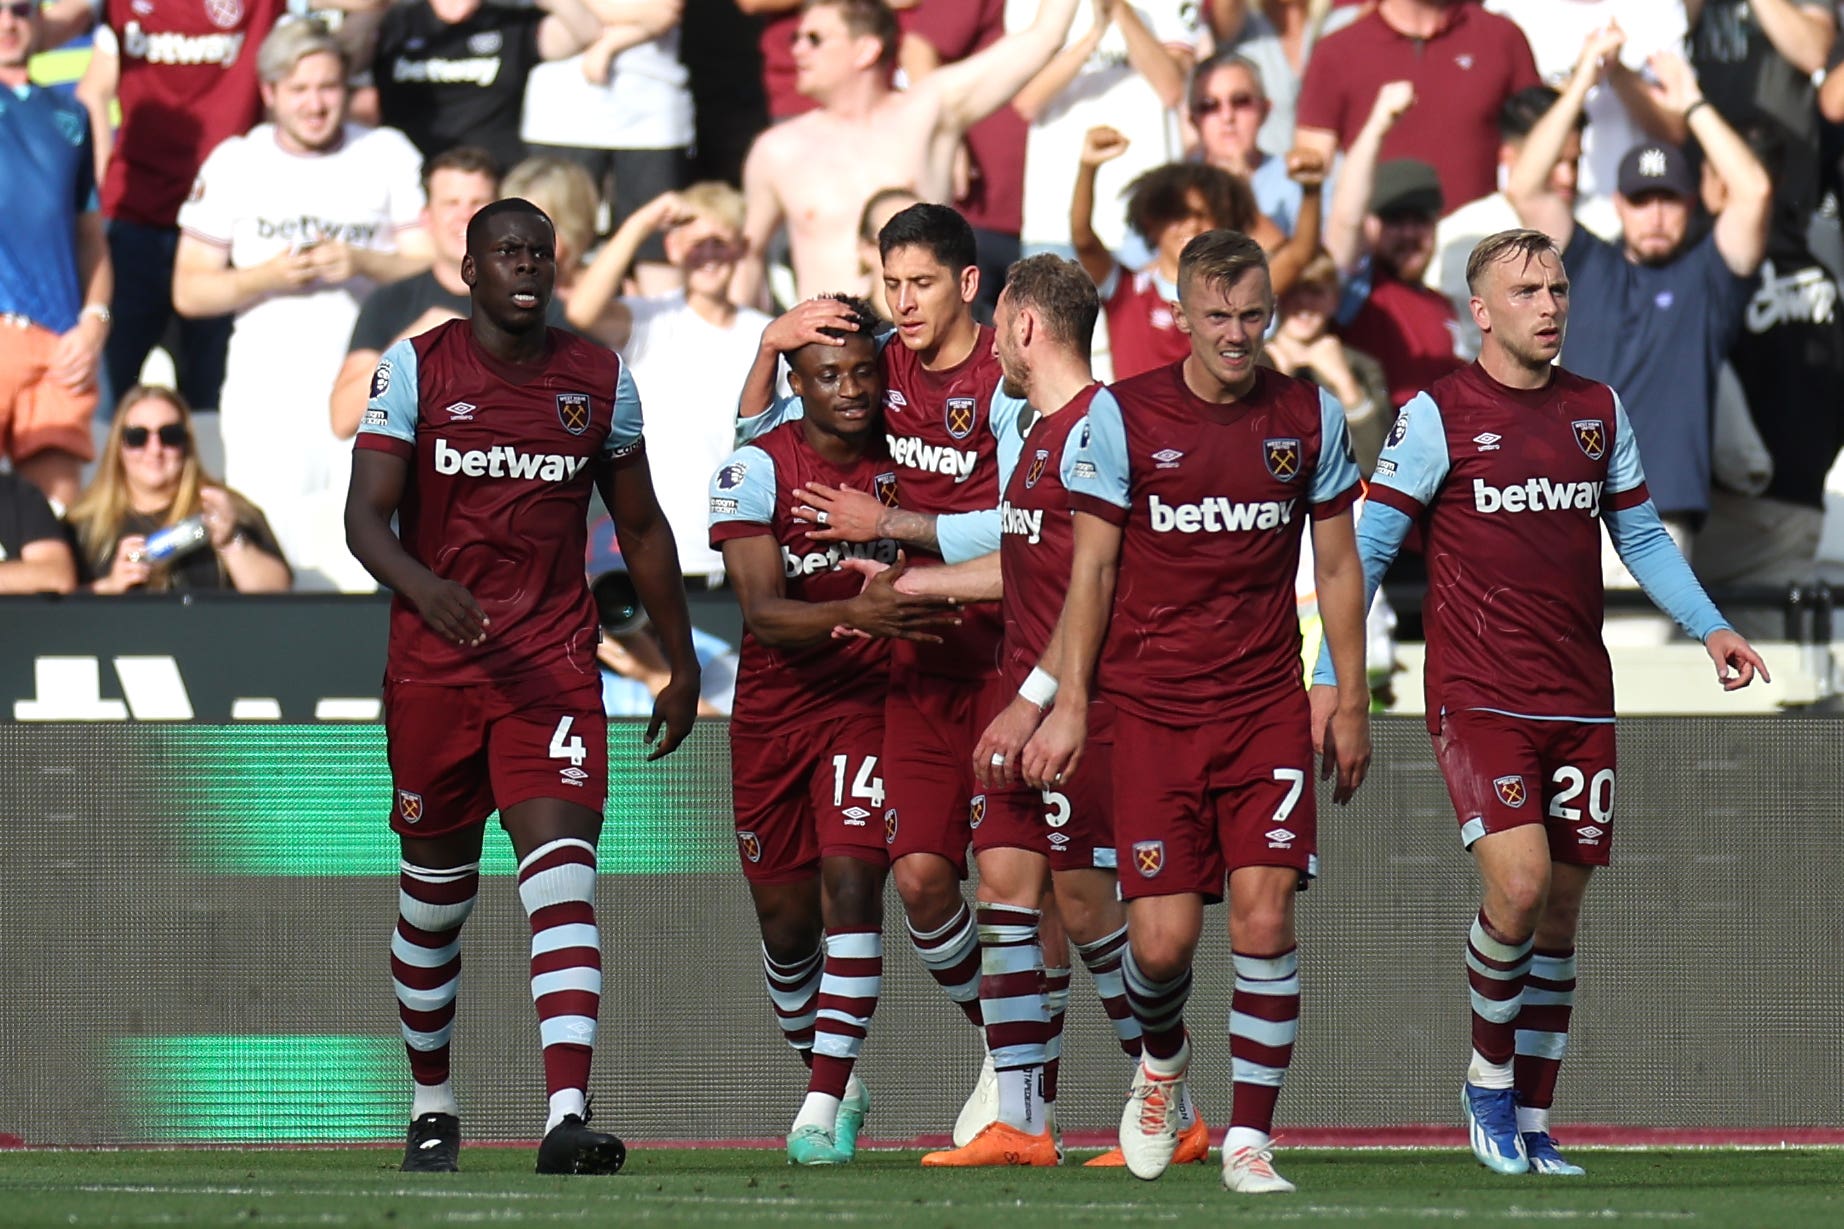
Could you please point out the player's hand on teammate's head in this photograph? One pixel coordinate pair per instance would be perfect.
(674, 711)
(838, 514)
(804, 324)
(452, 611)
(1736, 661)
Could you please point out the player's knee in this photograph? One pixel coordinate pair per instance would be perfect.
(1262, 929)
(429, 914)
(1088, 917)
(854, 893)
(556, 873)
(1519, 902)
(929, 891)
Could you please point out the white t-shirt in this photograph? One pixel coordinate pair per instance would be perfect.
(689, 372)
(257, 200)
(1107, 90)
(646, 103)
(1558, 28)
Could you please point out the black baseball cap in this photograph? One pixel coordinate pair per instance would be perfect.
(1406, 185)
(1656, 167)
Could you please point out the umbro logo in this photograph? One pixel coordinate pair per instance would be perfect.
(461, 411)
(1167, 458)
(1591, 833)
(1464, 61)
(1487, 441)
(858, 813)
(1278, 838)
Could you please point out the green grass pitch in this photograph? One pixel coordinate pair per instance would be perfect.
(1701, 1189)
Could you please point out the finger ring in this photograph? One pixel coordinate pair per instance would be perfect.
(998, 759)
(1057, 777)
(823, 517)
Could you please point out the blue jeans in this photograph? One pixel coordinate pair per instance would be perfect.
(143, 310)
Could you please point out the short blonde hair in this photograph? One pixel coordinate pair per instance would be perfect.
(566, 194)
(717, 201)
(293, 41)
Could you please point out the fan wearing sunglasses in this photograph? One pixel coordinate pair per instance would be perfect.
(150, 479)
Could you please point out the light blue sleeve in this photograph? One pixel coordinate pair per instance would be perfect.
(784, 409)
(1624, 472)
(1381, 531)
(961, 536)
(1097, 465)
(391, 408)
(743, 489)
(1660, 568)
(1414, 459)
(624, 433)
(1337, 469)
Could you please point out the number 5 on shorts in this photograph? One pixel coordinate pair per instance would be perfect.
(566, 746)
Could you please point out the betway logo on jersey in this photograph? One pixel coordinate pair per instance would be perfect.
(138, 44)
(1220, 514)
(792, 564)
(481, 70)
(310, 229)
(912, 453)
(504, 461)
(1538, 495)
(1027, 523)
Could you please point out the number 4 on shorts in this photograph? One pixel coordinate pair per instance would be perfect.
(565, 746)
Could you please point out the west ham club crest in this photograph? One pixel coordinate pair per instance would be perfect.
(1283, 458)
(886, 489)
(1038, 462)
(959, 416)
(573, 412)
(1591, 434)
(1510, 790)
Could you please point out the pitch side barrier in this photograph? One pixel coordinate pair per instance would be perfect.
(197, 915)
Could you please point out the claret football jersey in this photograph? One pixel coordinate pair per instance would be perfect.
(502, 462)
(1508, 486)
(1211, 500)
(752, 494)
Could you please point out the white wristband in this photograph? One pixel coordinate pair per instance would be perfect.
(1039, 688)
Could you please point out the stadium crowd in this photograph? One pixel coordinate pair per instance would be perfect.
(273, 201)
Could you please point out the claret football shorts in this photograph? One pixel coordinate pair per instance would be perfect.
(806, 794)
(1504, 772)
(457, 754)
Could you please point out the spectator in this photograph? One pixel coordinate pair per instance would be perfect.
(35, 556)
(150, 480)
(1277, 38)
(623, 110)
(689, 351)
(816, 171)
(780, 21)
(1788, 360)
(1167, 207)
(1654, 316)
(1228, 106)
(453, 72)
(1126, 70)
(1760, 58)
(1622, 110)
(289, 228)
(1381, 234)
(992, 196)
(1463, 60)
(456, 183)
(1304, 345)
(54, 272)
(1460, 231)
(634, 667)
(883, 205)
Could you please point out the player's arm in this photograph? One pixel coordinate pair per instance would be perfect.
(378, 481)
(839, 514)
(970, 580)
(1741, 227)
(1528, 188)
(881, 609)
(1344, 597)
(1410, 473)
(1648, 552)
(971, 89)
(798, 326)
(1097, 475)
(626, 483)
